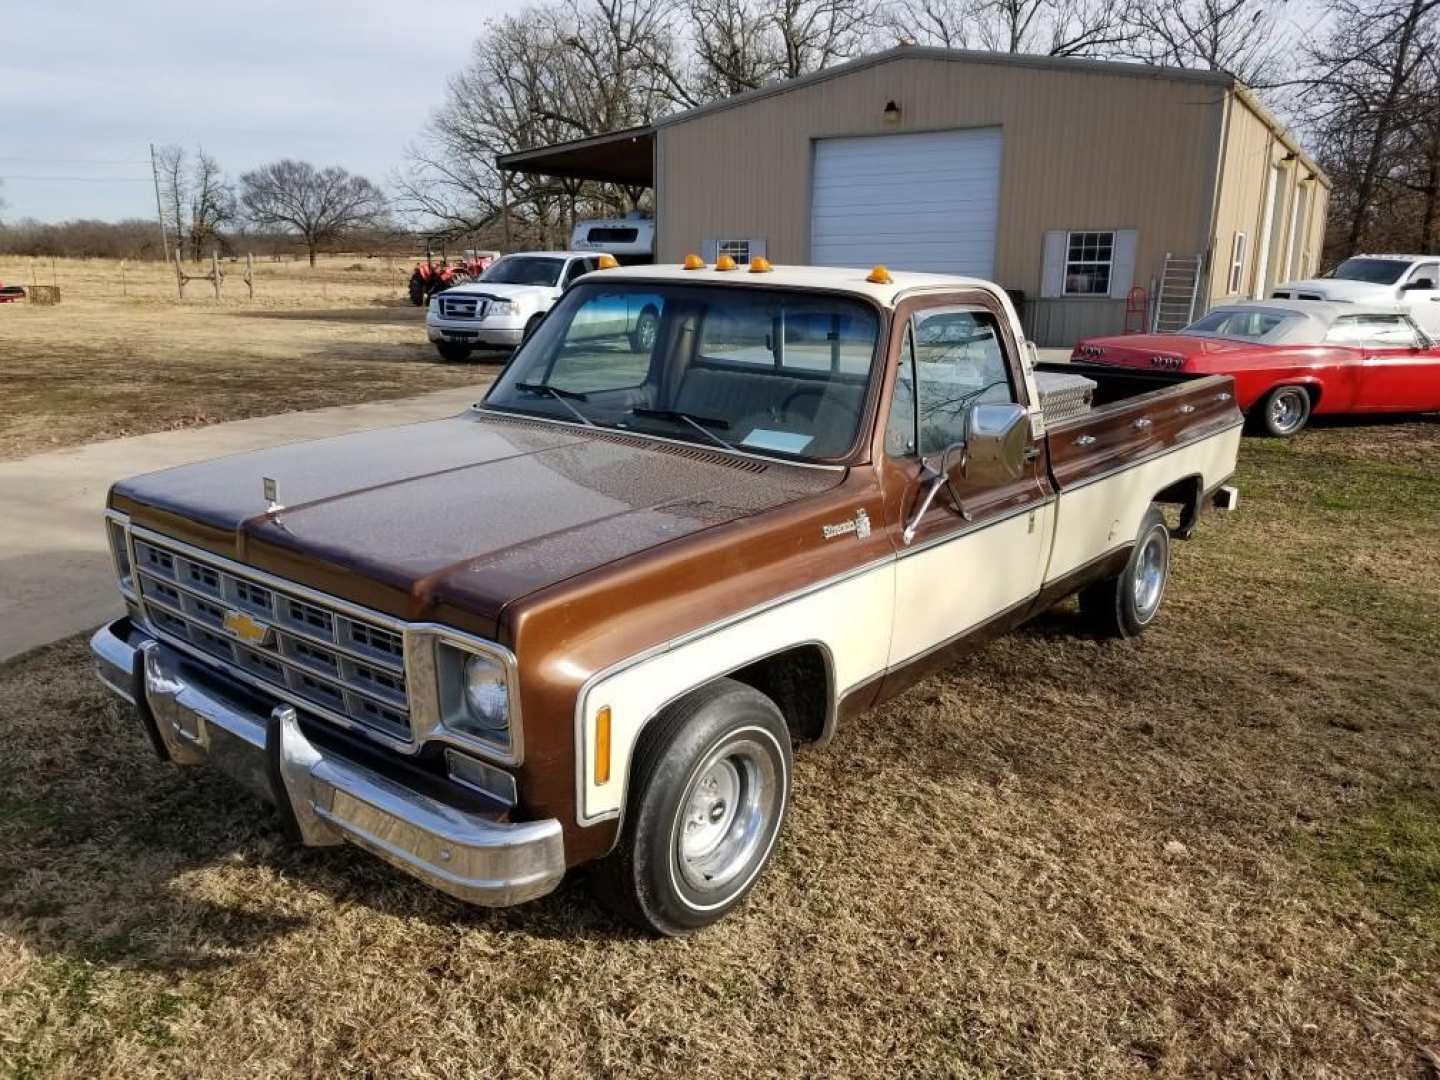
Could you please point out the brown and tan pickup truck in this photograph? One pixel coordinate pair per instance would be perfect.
(587, 619)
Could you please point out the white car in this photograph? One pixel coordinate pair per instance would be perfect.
(1412, 280)
(503, 306)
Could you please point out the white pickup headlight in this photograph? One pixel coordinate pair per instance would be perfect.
(435, 304)
(502, 307)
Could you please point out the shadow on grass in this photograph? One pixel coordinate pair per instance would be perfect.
(380, 314)
(111, 857)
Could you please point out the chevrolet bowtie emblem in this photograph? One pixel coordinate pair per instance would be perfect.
(251, 631)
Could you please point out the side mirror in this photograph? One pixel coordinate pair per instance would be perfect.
(1419, 283)
(993, 452)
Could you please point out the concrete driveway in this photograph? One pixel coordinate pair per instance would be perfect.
(55, 572)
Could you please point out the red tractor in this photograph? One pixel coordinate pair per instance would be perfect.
(10, 294)
(430, 277)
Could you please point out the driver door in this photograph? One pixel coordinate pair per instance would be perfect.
(955, 573)
(1421, 293)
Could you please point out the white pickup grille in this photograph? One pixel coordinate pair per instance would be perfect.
(339, 664)
(462, 306)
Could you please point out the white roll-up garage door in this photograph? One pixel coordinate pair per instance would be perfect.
(928, 201)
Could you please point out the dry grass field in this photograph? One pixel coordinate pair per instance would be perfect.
(1212, 851)
(106, 362)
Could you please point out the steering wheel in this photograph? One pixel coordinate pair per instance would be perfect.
(816, 390)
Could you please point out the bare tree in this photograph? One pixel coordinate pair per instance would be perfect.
(1241, 37)
(814, 34)
(1045, 27)
(1367, 103)
(171, 162)
(212, 203)
(320, 205)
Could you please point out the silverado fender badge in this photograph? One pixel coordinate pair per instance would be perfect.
(859, 525)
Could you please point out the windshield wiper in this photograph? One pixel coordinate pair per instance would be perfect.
(694, 420)
(559, 395)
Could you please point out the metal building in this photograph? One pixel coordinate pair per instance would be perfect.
(1070, 181)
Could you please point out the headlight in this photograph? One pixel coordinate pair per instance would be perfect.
(503, 307)
(435, 304)
(487, 699)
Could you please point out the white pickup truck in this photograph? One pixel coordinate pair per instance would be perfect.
(1412, 280)
(586, 620)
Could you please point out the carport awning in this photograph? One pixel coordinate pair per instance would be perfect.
(618, 157)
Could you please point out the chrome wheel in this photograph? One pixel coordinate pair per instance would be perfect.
(1152, 566)
(1287, 411)
(727, 816)
(645, 332)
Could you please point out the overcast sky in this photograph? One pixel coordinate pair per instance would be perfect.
(87, 85)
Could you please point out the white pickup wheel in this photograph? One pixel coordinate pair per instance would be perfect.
(710, 785)
(1126, 604)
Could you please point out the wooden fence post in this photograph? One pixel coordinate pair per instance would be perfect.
(215, 271)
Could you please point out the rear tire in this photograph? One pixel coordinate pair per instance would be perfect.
(1284, 411)
(417, 289)
(710, 786)
(1125, 605)
(456, 354)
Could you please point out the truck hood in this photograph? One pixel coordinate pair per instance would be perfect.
(458, 516)
(1340, 289)
(538, 293)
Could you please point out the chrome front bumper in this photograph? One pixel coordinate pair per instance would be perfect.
(473, 332)
(192, 716)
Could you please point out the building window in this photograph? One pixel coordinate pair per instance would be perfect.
(739, 250)
(1088, 259)
(1237, 264)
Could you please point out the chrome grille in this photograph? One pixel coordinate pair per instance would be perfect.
(350, 668)
(462, 307)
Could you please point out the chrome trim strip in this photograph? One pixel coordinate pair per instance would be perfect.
(480, 407)
(977, 526)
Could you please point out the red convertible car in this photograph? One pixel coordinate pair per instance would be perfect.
(1292, 359)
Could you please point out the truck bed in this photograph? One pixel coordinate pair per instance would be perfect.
(1136, 415)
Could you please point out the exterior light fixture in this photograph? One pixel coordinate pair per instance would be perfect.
(891, 113)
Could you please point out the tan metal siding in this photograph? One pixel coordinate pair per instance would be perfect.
(1082, 150)
(1251, 150)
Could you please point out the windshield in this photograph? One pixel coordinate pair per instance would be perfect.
(1375, 271)
(758, 370)
(1250, 324)
(524, 270)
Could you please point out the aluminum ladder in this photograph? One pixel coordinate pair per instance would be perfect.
(1178, 292)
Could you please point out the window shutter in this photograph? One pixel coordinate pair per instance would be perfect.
(1122, 265)
(1052, 274)
(757, 247)
(709, 250)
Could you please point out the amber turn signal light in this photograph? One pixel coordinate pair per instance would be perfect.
(694, 262)
(760, 265)
(607, 262)
(602, 746)
(880, 276)
(724, 262)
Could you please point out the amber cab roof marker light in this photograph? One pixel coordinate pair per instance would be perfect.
(760, 265)
(724, 262)
(694, 262)
(880, 276)
(607, 262)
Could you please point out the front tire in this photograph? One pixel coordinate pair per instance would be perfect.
(1125, 605)
(710, 787)
(456, 354)
(1284, 411)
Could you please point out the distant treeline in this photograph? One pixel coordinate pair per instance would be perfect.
(137, 238)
